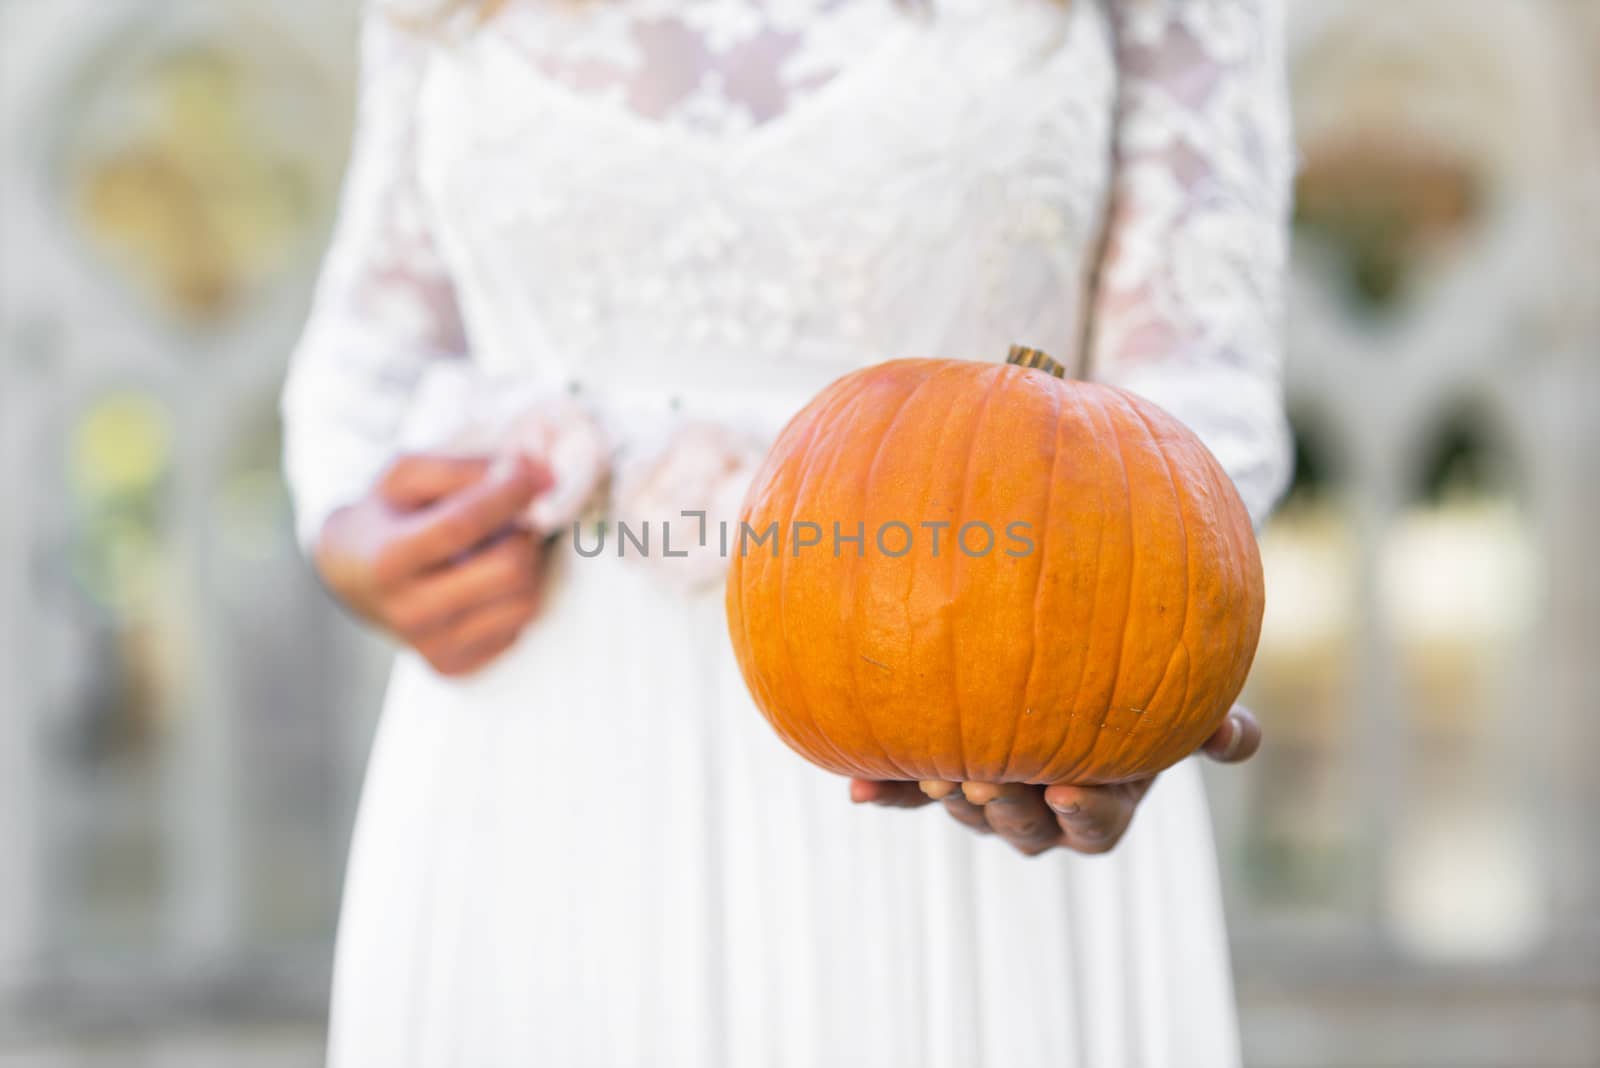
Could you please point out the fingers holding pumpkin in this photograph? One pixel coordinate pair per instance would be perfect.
(887, 794)
(1023, 816)
(1236, 740)
(1093, 819)
(962, 810)
(966, 813)
(1017, 813)
(1034, 819)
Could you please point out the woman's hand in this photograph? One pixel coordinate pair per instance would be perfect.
(1036, 819)
(434, 556)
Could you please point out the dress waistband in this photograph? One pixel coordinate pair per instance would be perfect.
(757, 394)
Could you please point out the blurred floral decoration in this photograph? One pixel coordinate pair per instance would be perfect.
(1386, 206)
(197, 165)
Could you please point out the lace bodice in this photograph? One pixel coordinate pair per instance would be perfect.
(715, 69)
(706, 209)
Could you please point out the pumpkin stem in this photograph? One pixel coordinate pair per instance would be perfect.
(1022, 356)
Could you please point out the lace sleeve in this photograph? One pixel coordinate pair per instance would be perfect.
(1188, 296)
(384, 306)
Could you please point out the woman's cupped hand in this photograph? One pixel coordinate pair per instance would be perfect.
(437, 554)
(1038, 819)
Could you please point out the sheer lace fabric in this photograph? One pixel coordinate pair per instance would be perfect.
(714, 67)
(740, 198)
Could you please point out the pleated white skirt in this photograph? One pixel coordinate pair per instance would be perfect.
(596, 853)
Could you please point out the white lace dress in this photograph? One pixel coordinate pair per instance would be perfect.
(680, 212)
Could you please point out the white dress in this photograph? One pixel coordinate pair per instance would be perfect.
(595, 852)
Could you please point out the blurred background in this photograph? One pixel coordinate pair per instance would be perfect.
(1412, 864)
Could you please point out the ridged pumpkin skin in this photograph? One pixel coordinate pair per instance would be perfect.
(1109, 651)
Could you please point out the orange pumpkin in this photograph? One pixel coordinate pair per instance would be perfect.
(1098, 632)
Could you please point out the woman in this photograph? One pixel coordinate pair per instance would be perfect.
(579, 844)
